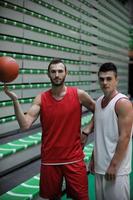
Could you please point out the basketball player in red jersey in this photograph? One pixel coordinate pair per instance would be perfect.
(60, 110)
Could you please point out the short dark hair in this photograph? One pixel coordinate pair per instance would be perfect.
(56, 61)
(109, 66)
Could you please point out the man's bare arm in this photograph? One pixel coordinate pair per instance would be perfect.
(124, 111)
(86, 100)
(86, 131)
(25, 120)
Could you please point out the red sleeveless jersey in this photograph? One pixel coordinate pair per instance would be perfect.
(61, 123)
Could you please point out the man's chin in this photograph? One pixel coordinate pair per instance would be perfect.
(57, 84)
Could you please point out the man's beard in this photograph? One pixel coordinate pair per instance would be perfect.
(58, 84)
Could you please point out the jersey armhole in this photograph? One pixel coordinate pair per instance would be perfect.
(118, 101)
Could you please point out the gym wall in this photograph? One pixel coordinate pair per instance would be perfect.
(84, 33)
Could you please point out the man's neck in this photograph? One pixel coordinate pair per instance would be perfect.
(110, 95)
(58, 92)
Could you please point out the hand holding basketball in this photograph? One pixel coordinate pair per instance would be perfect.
(9, 69)
(12, 95)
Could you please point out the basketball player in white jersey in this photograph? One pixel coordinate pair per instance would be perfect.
(113, 121)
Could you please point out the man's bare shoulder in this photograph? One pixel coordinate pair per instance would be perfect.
(86, 100)
(82, 92)
(124, 106)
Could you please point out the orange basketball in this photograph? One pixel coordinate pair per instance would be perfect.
(9, 69)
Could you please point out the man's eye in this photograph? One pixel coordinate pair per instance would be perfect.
(101, 79)
(109, 79)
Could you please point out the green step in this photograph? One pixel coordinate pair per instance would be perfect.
(20, 144)
(25, 191)
(88, 152)
(85, 119)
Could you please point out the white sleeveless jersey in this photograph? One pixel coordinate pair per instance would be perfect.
(106, 137)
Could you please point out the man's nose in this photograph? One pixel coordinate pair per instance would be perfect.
(105, 81)
(57, 74)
